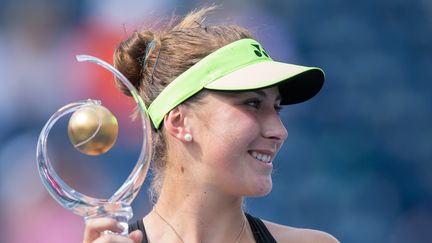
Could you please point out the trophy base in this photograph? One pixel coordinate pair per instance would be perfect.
(122, 213)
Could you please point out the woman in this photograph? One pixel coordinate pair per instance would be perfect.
(213, 95)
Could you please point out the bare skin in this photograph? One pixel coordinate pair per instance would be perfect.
(286, 234)
(207, 178)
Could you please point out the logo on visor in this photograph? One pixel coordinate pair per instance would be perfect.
(259, 50)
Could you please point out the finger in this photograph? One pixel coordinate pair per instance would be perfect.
(136, 236)
(95, 227)
(113, 238)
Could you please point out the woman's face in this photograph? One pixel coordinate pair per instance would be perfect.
(238, 135)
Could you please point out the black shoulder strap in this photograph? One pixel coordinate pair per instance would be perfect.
(259, 230)
(139, 225)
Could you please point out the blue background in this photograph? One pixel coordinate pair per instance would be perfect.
(357, 162)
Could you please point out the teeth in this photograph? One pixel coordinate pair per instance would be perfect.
(261, 157)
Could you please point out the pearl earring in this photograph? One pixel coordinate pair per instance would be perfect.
(188, 137)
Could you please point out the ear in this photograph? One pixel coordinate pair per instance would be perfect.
(176, 123)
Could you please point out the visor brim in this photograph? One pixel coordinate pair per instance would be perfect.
(296, 83)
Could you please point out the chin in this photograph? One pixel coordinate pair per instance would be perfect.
(262, 188)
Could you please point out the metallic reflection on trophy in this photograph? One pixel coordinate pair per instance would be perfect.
(93, 130)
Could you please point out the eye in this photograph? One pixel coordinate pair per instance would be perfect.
(253, 103)
(278, 108)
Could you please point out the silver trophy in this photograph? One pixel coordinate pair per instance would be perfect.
(93, 130)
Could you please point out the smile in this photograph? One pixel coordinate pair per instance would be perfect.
(260, 156)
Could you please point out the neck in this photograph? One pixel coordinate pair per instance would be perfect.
(198, 213)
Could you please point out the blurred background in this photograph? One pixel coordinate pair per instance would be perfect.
(358, 159)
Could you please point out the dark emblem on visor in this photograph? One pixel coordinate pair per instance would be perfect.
(259, 50)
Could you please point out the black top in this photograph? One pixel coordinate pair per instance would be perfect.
(258, 228)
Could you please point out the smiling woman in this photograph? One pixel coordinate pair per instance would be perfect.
(240, 133)
(214, 95)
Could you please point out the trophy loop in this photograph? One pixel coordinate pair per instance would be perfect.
(118, 205)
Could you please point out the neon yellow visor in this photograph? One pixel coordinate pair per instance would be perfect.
(241, 65)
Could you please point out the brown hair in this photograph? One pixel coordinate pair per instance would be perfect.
(175, 48)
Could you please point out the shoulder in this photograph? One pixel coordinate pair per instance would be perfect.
(286, 234)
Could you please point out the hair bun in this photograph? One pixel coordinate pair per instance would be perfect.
(129, 58)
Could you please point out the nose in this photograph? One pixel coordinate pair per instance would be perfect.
(273, 128)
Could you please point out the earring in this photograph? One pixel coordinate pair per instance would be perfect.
(188, 137)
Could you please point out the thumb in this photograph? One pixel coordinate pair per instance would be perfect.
(136, 236)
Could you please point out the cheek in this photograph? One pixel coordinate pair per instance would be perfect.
(225, 131)
(234, 130)
(226, 140)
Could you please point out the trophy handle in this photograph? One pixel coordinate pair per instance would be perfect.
(119, 75)
(118, 205)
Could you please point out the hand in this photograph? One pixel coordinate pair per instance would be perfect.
(94, 232)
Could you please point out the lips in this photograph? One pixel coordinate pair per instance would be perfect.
(263, 157)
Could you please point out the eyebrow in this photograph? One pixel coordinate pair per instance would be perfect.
(263, 94)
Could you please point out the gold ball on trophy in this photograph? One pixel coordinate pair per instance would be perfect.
(93, 129)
